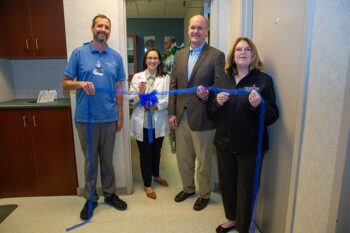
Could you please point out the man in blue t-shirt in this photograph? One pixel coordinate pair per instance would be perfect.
(95, 65)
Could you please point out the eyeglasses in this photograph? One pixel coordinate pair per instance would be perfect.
(152, 58)
(199, 28)
(243, 50)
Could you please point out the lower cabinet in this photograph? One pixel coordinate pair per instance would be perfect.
(37, 152)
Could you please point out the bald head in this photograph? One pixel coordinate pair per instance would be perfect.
(197, 30)
(202, 18)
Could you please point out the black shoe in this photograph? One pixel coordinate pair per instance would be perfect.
(115, 202)
(220, 229)
(200, 203)
(84, 214)
(181, 196)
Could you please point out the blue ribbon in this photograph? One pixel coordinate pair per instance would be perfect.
(90, 151)
(258, 163)
(150, 127)
(150, 99)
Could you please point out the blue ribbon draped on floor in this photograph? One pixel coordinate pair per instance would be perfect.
(149, 100)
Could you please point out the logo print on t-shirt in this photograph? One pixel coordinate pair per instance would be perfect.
(98, 70)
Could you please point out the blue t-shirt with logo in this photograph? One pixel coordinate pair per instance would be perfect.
(104, 69)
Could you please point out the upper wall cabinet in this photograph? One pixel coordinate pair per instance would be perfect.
(35, 29)
(3, 25)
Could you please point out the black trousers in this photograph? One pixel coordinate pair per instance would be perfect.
(236, 174)
(149, 157)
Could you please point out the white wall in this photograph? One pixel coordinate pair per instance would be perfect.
(225, 23)
(340, 205)
(306, 49)
(78, 17)
(330, 47)
(279, 35)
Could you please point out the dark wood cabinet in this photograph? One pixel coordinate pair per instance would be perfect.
(35, 29)
(4, 15)
(17, 167)
(37, 152)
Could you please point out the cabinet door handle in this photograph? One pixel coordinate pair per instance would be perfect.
(27, 44)
(36, 44)
(24, 121)
(34, 121)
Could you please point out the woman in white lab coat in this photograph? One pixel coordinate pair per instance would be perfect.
(152, 78)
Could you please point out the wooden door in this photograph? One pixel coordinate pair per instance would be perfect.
(54, 146)
(49, 36)
(18, 175)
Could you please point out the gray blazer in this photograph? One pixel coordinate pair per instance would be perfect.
(209, 67)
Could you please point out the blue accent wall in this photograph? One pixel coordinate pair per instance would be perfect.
(158, 27)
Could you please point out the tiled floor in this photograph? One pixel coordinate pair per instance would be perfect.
(163, 215)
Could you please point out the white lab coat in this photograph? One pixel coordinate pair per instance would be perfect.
(160, 116)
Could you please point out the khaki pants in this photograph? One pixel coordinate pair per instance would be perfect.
(191, 146)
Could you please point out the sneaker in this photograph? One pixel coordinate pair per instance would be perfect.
(115, 202)
(84, 214)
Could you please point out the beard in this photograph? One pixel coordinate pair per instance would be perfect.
(100, 37)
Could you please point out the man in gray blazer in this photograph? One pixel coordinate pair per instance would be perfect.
(198, 65)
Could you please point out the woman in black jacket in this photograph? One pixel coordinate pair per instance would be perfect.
(237, 132)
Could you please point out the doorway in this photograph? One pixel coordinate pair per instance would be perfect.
(164, 23)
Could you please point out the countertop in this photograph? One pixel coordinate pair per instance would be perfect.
(31, 103)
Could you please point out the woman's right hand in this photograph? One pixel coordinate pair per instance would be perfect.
(142, 87)
(222, 97)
